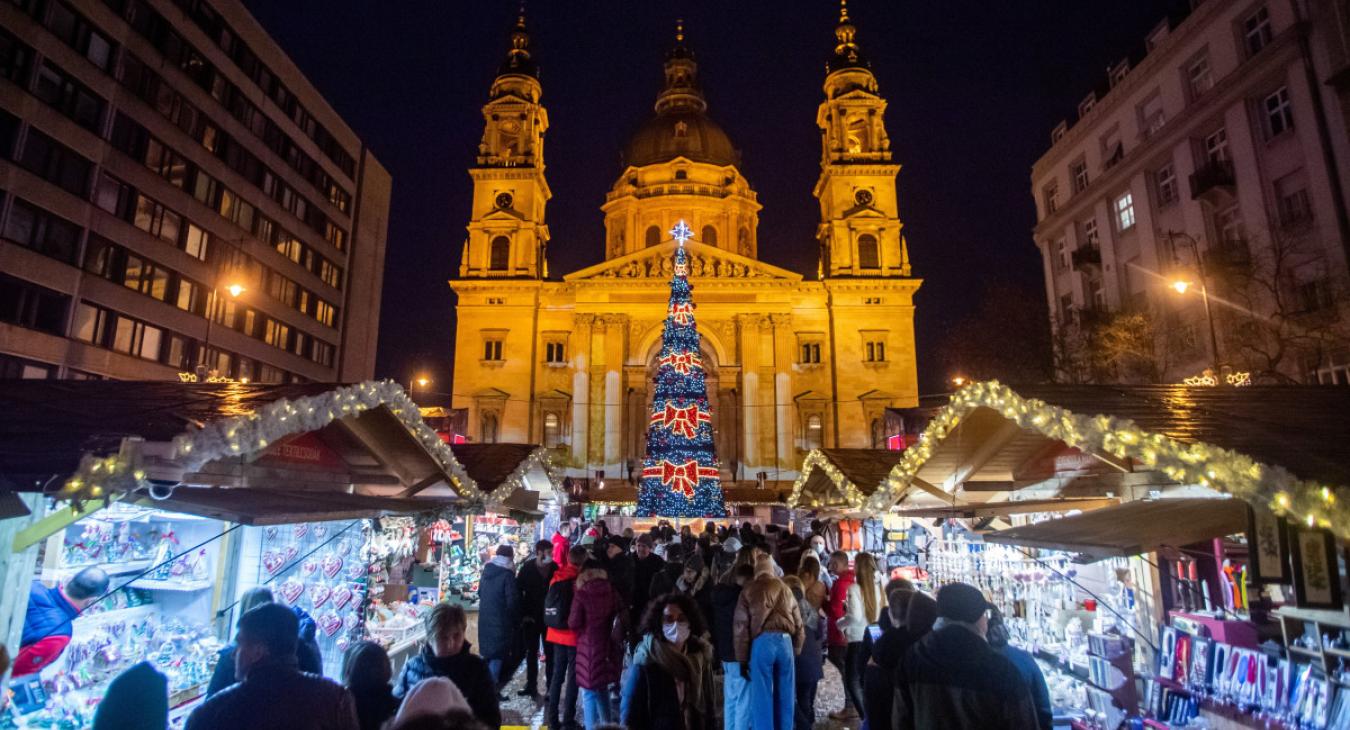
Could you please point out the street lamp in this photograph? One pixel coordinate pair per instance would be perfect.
(1181, 287)
(958, 380)
(420, 381)
(234, 290)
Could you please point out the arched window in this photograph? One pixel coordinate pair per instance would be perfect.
(501, 254)
(814, 432)
(489, 428)
(856, 136)
(709, 235)
(653, 236)
(552, 432)
(868, 257)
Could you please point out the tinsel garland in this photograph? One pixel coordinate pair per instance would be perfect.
(1206, 465)
(98, 476)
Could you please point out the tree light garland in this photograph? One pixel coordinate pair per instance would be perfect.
(99, 476)
(1200, 463)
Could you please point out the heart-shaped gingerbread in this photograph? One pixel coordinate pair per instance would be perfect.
(345, 548)
(321, 531)
(301, 530)
(356, 571)
(351, 621)
(330, 622)
(332, 565)
(318, 595)
(341, 595)
(291, 552)
(291, 591)
(308, 567)
(273, 561)
(342, 644)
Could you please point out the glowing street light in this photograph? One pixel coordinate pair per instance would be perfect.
(958, 380)
(1180, 286)
(423, 381)
(235, 290)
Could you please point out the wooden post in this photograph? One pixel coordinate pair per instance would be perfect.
(16, 573)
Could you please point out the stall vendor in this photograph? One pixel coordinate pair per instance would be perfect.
(47, 625)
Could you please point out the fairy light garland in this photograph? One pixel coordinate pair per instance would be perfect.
(100, 476)
(1217, 468)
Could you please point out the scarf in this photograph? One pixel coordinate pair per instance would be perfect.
(689, 668)
(690, 590)
(501, 561)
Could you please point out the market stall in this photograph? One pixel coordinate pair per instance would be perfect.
(1178, 604)
(189, 495)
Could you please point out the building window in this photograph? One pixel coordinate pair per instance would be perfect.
(1051, 196)
(1228, 223)
(1216, 146)
(1279, 113)
(15, 368)
(875, 350)
(32, 306)
(552, 430)
(489, 427)
(1151, 115)
(1291, 193)
(1256, 32)
(1079, 172)
(1058, 132)
(1064, 258)
(868, 256)
(1199, 78)
(810, 353)
(68, 96)
(814, 432)
(653, 237)
(56, 163)
(1314, 295)
(492, 350)
(1090, 235)
(1113, 151)
(1168, 192)
(1118, 72)
(501, 254)
(554, 353)
(709, 235)
(1097, 292)
(681, 174)
(878, 434)
(1124, 208)
(1065, 308)
(48, 234)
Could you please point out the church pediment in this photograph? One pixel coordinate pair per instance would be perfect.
(503, 214)
(863, 211)
(705, 262)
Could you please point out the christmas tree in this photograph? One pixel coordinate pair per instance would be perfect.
(679, 472)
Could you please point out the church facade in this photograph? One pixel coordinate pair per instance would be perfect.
(793, 362)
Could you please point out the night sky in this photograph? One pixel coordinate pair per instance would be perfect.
(974, 89)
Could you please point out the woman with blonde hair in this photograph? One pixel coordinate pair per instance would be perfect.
(862, 608)
(813, 588)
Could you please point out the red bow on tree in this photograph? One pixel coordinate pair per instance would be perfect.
(683, 312)
(680, 477)
(682, 421)
(682, 362)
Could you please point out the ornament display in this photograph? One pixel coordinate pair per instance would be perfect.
(680, 472)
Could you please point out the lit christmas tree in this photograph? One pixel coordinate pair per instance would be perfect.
(679, 472)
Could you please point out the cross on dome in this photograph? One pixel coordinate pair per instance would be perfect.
(681, 232)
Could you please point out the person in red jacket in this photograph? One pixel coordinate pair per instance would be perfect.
(562, 685)
(834, 610)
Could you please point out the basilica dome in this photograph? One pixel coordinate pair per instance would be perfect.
(680, 133)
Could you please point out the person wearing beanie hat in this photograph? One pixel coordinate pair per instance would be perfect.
(952, 678)
(696, 581)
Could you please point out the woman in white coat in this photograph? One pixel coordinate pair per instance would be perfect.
(862, 608)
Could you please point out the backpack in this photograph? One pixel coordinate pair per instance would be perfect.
(558, 603)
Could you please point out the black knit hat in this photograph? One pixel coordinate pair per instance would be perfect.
(961, 602)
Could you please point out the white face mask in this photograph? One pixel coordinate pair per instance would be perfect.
(819, 548)
(676, 632)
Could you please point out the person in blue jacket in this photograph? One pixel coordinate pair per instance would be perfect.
(1026, 666)
(47, 625)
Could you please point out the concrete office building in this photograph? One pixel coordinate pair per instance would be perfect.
(1210, 171)
(177, 198)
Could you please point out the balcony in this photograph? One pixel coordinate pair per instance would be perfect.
(1087, 256)
(1213, 181)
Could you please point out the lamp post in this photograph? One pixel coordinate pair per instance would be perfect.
(1181, 287)
(234, 290)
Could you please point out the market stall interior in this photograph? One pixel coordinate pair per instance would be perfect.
(1125, 564)
(189, 495)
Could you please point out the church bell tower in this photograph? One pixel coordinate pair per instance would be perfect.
(507, 234)
(860, 228)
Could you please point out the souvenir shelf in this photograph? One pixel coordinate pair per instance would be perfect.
(1320, 638)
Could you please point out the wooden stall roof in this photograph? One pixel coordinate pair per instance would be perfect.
(1026, 506)
(1132, 528)
(491, 464)
(280, 507)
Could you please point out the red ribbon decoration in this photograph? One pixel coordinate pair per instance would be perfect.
(683, 313)
(682, 421)
(680, 477)
(682, 362)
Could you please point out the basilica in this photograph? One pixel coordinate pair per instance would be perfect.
(794, 360)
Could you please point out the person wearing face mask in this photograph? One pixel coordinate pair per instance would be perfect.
(817, 548)
(670, 684)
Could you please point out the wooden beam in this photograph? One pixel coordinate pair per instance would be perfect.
(1007, 431)
(1125, 466)
(56, 521)
(936, 491)
(427, 482)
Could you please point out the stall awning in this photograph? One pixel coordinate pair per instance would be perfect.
(279, 507)
(1132, 528)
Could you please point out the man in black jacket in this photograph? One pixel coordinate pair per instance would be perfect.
(532, 582)
(664, 580)
(953, 679)
(619, 567)
(646, 565)
(272, 691)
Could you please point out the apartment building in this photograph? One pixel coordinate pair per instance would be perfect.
(1203, 189)
(175, 197)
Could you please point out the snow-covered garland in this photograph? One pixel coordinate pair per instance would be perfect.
(853, 496)
(1199, 463)
(98, 477)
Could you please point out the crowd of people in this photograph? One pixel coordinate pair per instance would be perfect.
(663, 630)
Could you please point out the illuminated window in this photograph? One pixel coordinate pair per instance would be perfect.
(709, 235)
(501, 254)
(814, 432)
(552, 430)
(1124, 208)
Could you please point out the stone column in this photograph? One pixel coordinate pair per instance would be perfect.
(581, 387)
(749, 325)
(615, 327)
(783, 350)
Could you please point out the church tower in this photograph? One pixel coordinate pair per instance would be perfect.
(507, 234)
(860, 228)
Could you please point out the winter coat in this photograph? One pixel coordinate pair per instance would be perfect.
(664, 581)
(137, 699)
(855, 611)
(374, 705)
(644, 569)
(600, 623)
(306, 655)
(498, 612)
(766, 605)
(560, 548)
(46, 628)
(954, 680)
(701, 592)
(879, 674)
(651, 701)
(723, 620)
(565, 637)
(532, 584)
(835, 609)
(467, 670)
(1031, 672)
(278, 696)
(620, 571)
(810, 662)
